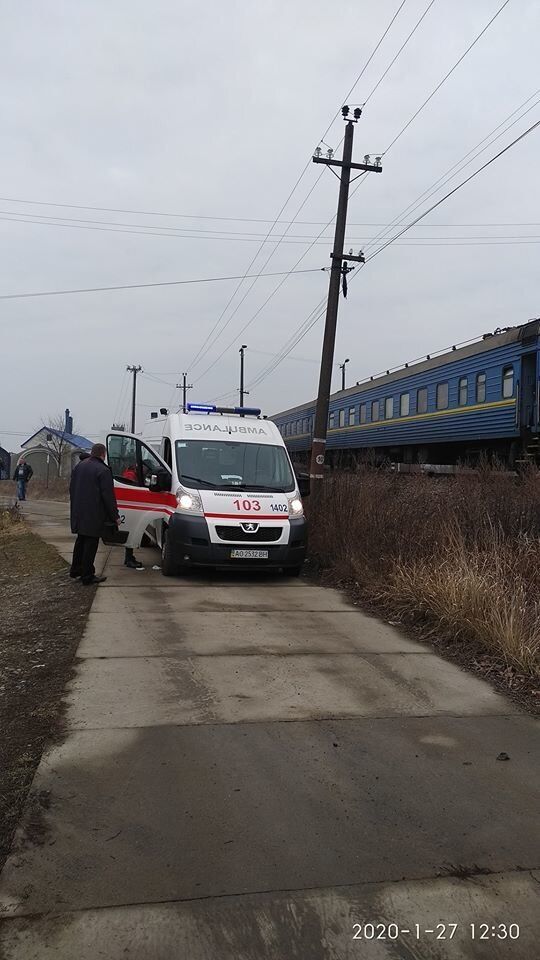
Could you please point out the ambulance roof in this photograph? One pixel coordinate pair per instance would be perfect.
(217, 426)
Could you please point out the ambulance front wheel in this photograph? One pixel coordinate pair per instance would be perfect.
(168, 566)
(292, 571)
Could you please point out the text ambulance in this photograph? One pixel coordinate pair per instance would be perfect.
(213, 486)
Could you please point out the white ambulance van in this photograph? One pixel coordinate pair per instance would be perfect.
(210, 487)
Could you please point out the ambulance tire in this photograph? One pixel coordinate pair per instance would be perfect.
(168, 567)
(292, 571)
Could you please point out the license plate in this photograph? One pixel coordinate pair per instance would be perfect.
(249, 554)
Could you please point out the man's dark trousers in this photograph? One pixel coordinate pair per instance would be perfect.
(84, 554)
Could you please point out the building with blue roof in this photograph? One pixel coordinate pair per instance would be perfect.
(52, 452)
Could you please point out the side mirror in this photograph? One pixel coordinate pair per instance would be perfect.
(159, 482)
(304, 484)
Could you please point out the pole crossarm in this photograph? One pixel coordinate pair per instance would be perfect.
(348, 256)
(367, 167)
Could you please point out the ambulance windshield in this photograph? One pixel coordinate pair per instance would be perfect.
(225, 465)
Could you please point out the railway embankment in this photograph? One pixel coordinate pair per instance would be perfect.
(457, 560)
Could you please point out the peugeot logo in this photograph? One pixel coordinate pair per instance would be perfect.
(250, 527)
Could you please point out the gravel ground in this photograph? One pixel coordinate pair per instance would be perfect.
(42, 617)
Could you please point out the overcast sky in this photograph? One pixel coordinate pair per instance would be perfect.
(212, 111)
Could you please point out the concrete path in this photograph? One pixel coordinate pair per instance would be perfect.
(252, 767)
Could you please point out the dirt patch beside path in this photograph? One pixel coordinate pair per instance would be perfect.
(42, 618)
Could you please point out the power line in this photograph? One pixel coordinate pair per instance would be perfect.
(208, 341)
(315, 223)
(392, 62)
(261, 308)
(422, 106)
(308, 164)
(137, 286)
(455, 189)
(364, 68)
(298, 240)
(459, 165)
(311, 320)
(446, 76)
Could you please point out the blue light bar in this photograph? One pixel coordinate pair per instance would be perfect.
(212, 408)
(201, 407)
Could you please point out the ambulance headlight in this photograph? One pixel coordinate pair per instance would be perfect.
(296, 507)
(188, 502)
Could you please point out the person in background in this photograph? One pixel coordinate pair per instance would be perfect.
(83, 456)
(23, 473)
(131, 476)
(93, 504)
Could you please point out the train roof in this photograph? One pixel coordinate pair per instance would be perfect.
(489, 341)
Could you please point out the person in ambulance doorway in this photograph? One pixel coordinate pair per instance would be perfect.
(130, 560)
(93, 504)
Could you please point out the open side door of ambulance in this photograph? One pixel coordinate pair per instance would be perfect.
(142, 484)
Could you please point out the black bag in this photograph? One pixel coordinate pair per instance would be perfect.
(112, 536)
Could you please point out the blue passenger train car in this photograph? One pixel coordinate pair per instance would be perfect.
(479, 398)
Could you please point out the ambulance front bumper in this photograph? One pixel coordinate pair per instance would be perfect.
(191, 545)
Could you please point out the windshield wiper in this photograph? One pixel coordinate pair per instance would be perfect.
(208, 483)
(255, 487)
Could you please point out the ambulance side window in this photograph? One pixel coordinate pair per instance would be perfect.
(148, 462)
(166, 452)
(122, 458)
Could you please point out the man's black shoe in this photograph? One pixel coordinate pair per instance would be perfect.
(88, 583)
(134, 564)
(75, 576)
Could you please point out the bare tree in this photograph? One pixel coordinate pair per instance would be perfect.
(56, 442)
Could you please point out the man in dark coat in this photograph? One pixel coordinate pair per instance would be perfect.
(23, 472)
(93, 504)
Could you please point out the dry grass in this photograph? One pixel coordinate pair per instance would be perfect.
(57, 489)
(460, 556)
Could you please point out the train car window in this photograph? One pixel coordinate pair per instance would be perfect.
(404, 404)
(363, 412)
(442, 396)
(388, 408)
(375, 410)
(508, 382)
(331, 421)
(481, 388)
(463, 390)
(352, 413)
(421, 400)
(342, 418)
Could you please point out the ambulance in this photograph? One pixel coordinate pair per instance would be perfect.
(211, 487)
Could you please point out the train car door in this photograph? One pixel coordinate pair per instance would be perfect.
(528, 393)
(142, 484)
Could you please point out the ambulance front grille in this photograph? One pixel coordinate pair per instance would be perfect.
(237, 535)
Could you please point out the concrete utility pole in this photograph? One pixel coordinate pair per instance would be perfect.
(342, 368)
(243, 392)
(184, 387)
(134, 370)
(337, 271)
